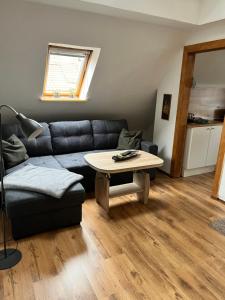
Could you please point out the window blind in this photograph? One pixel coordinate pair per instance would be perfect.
(65, 69)
(68, 51)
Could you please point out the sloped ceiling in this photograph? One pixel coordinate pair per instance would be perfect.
(179, 13)
(211, 11)
(133, 56)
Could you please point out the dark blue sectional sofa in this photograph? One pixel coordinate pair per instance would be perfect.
(63, 145)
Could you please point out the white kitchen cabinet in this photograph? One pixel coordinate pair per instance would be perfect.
(214, 143)
(201, 149)
(197, 147)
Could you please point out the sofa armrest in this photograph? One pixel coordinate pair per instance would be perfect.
(153, 149)
(149, 147)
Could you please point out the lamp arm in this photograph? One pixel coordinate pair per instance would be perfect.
(2, 167)
(9, 107)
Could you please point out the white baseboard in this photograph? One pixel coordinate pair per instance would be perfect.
(197, 171)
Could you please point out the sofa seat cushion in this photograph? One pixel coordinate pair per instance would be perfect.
(75, 161)
(71, 136)
(42, 145)
(22, 203)
(43, 161)
(106, 133)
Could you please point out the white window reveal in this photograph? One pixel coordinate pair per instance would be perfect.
(69, 71)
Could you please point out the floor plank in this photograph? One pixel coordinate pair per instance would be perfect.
(162, 250)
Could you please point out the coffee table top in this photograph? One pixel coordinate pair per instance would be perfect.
(103, 162)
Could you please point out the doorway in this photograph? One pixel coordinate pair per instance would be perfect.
(186, 84)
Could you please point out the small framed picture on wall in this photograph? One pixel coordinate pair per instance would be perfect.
(166, 106)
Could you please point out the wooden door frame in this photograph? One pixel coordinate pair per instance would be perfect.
(183, 102)
(219, 164)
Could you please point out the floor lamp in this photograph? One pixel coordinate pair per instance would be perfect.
(9, 257)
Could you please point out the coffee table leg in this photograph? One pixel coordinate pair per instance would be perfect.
(142, 179)
(102, 190)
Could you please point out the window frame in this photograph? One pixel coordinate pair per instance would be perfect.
(85, 79)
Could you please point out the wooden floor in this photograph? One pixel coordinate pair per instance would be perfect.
(164, 250)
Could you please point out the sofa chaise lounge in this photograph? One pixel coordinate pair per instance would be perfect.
(63, 144)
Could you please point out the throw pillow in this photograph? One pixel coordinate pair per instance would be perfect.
(14, 151)
(129, 139)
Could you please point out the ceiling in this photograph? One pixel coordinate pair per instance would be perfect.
(178, 13)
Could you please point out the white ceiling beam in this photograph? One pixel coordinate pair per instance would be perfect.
(179, 13)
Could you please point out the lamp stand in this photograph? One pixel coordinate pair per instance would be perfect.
(8, 257)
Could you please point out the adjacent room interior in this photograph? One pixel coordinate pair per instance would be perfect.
(205, 114)
(112, 149)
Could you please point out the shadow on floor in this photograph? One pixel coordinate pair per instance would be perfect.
(135, 208)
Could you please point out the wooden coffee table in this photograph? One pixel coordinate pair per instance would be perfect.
(103, 163)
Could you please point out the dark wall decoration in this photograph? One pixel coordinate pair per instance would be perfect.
(166, 106)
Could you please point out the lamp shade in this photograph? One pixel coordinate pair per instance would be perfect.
(30, 128)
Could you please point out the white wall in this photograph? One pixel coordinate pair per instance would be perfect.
(211, 11)
(208, 97)
(222, 184)
(164, 129)
(162, 135)
(209, 69)
(181, 10)
(208, 102)
(174, 10)
(128, 72)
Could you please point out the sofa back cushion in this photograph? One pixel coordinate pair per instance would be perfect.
(106, 133)
(71, 136)
(37, 147)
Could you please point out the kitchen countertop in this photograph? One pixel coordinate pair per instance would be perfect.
(211, 123)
